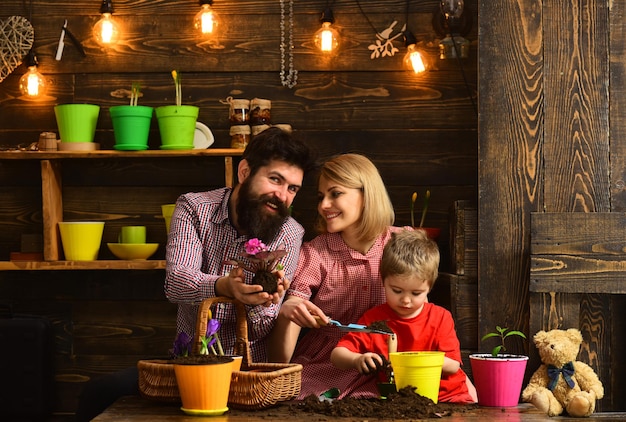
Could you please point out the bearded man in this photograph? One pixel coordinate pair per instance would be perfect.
(210, 228)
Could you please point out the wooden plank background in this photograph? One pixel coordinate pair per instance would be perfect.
(558, 150)
(421, 132)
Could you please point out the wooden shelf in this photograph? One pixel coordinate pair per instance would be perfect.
(52, 202)
(51, 155)
(83, 265)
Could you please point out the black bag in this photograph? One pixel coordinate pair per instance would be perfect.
(26, 366)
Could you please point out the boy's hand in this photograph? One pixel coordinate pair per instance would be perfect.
(368, 363)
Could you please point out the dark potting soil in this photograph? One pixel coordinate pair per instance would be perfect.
(380, 326)
(267, 280)
(405, 404)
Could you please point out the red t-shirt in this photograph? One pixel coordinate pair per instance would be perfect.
(432, 330)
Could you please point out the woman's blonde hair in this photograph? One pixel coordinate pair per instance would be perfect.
(411, 252)
(356, 171)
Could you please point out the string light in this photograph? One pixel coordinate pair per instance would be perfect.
(415, 59)
(326, 39)
(106, 31)
(207, 22)
(32, 84)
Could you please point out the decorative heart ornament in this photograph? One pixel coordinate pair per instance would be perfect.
(16, 39)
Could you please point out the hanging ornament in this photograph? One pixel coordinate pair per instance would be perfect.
(288, 79)
(383, 46)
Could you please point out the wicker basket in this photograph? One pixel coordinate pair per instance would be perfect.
(256, 386)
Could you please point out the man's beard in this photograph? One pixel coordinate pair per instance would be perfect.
(253, 217)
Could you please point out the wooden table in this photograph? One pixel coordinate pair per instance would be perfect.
(135, 408)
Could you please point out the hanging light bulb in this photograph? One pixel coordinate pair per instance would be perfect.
(415, 59)
(32, 84)
(453, 44)
(326, 39)
(206, 21)
(452, 9)
(106, 31)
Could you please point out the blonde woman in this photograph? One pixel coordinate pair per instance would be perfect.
(337, 275)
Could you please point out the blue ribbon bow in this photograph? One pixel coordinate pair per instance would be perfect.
(567, 370)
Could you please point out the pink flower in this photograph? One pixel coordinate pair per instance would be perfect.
(254, 246)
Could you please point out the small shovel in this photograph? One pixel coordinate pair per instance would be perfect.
(350, 327)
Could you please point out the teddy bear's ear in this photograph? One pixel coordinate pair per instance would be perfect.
(540, 337)
(574, 335)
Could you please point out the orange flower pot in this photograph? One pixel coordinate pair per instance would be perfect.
(204, 388)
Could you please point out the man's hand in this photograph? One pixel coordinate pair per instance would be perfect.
(234, 286)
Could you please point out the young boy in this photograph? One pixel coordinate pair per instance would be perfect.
(409, 268)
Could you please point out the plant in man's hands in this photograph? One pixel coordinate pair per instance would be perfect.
(502, 333)
(264, 264)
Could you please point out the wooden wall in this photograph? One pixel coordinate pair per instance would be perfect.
(551, 140)
(420, 131)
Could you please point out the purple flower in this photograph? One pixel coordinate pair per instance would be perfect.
(182, 345)
(212, 326)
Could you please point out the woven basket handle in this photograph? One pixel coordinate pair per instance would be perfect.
(241, 347)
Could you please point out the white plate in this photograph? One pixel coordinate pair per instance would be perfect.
(203, 138)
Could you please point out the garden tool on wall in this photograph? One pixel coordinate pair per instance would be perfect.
(74, 40)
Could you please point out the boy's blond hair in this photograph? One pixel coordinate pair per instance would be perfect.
(411, 252)
(355, 171)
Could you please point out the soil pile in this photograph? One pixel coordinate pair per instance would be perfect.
(405, 404)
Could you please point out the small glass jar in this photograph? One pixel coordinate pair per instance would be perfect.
(239, 112)
(260, 112)
(255, 130)
(239, 136)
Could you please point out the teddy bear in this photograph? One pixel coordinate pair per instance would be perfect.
(561, 382)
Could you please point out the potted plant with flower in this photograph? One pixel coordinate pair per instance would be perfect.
(131, 123)
(431, 232)
(177, 123)
(262, 262)
(203, 379)
(498, 376)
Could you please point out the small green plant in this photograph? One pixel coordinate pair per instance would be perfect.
(503, 333)
(135, 93)
(424, 209)
(177, 86)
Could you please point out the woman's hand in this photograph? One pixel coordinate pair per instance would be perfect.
(302, 312)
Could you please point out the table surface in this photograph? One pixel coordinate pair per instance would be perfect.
(135, 408)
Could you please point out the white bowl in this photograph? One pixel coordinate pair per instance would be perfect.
(133, 250)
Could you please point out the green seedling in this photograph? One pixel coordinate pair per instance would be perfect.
(503, 333)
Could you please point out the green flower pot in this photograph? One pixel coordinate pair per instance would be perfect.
(77, 122)
(177, 126)
(131, 126)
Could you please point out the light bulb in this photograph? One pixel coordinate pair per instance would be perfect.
(206, 21)
(106, 31)
(326, 39)
(452, 9)
(32, 84)
(415, 59)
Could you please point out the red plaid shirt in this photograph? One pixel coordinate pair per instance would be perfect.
(201, 238)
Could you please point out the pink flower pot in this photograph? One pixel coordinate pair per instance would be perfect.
(498, 380)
